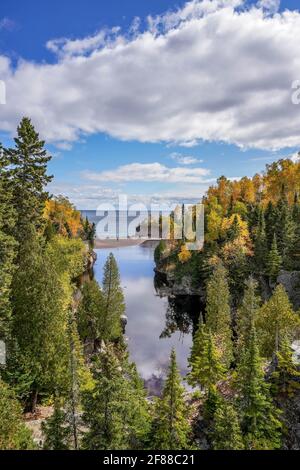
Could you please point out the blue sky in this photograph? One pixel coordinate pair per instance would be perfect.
(153, 98)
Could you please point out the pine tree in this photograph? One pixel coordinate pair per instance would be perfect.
(274, 261)
(205, 362)
(113, 301)
(247, 312)
(90, 316)
(275, 320)
(294, 255)
(39, 321)
(56, 429)
(227, 433)
(7, 246)
(13, 433)
(197, 349)
(260, 245)
(286, 377)
(218, 316)
(259, 416)
(114, 410)
(29, 162)
(171, 428)
(284, 229)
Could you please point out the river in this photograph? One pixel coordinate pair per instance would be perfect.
(146, 312)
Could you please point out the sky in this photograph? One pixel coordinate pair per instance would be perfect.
(154, 99)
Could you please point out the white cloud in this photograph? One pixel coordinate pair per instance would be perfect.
(272, 6)
(211, 70)
(184, 159)
(149, 172)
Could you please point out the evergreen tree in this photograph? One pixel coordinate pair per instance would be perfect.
(39, 321)
(56, 430)
(294, 255)
(205, 363)
(218, 316)
(227, 433)
(113, 301)
(197, 348)
(271, 220)
(284, 229)
(260, 245)
(274, 261)
(90, 316)
(247, 313)
(29, 176)
(171, 428)
(7, 246)
(259, 417)
(114, 410)
(286, 377)
(275, 320)
(13, 433)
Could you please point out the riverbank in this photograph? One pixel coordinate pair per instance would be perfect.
(123, 242)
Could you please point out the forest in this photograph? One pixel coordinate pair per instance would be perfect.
(65, 337)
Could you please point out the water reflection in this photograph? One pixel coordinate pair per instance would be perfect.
(152, 328)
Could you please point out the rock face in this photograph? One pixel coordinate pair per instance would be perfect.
(167, 285)
(291, 282)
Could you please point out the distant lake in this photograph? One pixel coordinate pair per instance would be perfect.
(146, 312)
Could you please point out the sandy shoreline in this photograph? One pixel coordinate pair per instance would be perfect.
(98, 244)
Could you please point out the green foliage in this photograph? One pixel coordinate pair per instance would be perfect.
(286, 377)
(68, 255)
(274, 261)
(259, 416)
(7, 245)
(56, 430)
(28, 161)
(113, 301)
(247, 313)
(39, 320)
(275, 320)
(205, 362)
(90, 316)
(227, 433)
(13, 433)
(115, 410)
(218, 315)
(171, 428)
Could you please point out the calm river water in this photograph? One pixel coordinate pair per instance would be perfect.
(146, 312)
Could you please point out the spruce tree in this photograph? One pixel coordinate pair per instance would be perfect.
(274, 261)
(29, 161)
(275, 320)
(206, 365)
(56, 429)
(284, 229)
(90, 315)
(260, 244)
(39, 323)
(227, 433)
(286, 377)
(113, 301)
(7, 246)
(259, 416)
(114, 409)
(246, 314)
(218, 315)
(171, 428)
(13, 433)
